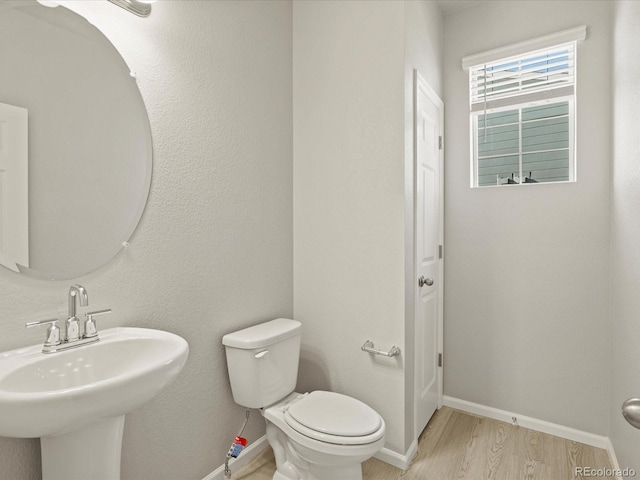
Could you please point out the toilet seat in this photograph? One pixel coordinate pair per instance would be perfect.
(334, 418)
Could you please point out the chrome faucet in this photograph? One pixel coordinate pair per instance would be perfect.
(72, 333)
(72, 337)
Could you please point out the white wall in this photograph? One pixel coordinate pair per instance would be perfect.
(625, 230)
(526, 270)
(351, 61)
(348, 77)
(214, 250)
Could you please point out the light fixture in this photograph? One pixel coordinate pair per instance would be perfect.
(142, 8)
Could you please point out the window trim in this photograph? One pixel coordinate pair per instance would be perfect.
(526, 99)
(576, 34)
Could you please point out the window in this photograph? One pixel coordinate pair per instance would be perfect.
(523, 111)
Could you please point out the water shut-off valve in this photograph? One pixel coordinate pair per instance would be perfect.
(236, 447)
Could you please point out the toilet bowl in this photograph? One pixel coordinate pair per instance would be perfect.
(314, 436)
(322, 436)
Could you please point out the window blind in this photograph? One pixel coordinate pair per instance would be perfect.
(539, 75)
(542, 70)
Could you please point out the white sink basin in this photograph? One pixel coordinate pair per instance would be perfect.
(76, 400)
(49, 394)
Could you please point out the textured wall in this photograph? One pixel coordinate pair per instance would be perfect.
(625, 230)
(213, 252)
(348, 151)
(353, 217)
(527, 268)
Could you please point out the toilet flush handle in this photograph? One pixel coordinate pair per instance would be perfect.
(262, 354)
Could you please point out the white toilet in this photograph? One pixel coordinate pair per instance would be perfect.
(314, 436)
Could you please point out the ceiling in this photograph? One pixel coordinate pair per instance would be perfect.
(450, 6)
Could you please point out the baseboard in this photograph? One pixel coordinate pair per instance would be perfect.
(614, 459)
(404, 461)
(532, 423)
(248, 454)
(252, 451)
(396, 459)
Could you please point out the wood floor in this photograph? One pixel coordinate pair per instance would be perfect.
(457, 445)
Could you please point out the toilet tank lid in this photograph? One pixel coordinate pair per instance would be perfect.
(263, 334)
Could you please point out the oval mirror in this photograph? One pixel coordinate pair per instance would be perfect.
(75, 144)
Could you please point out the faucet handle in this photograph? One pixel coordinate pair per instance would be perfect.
(53, 332)
(90, 328)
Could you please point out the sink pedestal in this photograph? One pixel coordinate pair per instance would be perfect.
(91, 453)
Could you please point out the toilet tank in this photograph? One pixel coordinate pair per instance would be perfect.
(263, 361)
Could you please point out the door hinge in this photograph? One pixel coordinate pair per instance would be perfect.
(440, 142)
(439, 359)
(440, 251)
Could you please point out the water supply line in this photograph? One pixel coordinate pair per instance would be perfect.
(237, 446)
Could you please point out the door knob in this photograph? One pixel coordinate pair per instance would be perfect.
(425, 281)
(631, 411)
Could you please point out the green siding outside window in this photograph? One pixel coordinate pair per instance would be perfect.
(524, 144)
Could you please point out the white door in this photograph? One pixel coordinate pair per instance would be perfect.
(428, 122)
(14, 193)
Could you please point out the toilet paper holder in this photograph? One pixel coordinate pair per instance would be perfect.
(369, 348)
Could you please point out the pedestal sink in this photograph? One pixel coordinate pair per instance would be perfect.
(76, 400)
